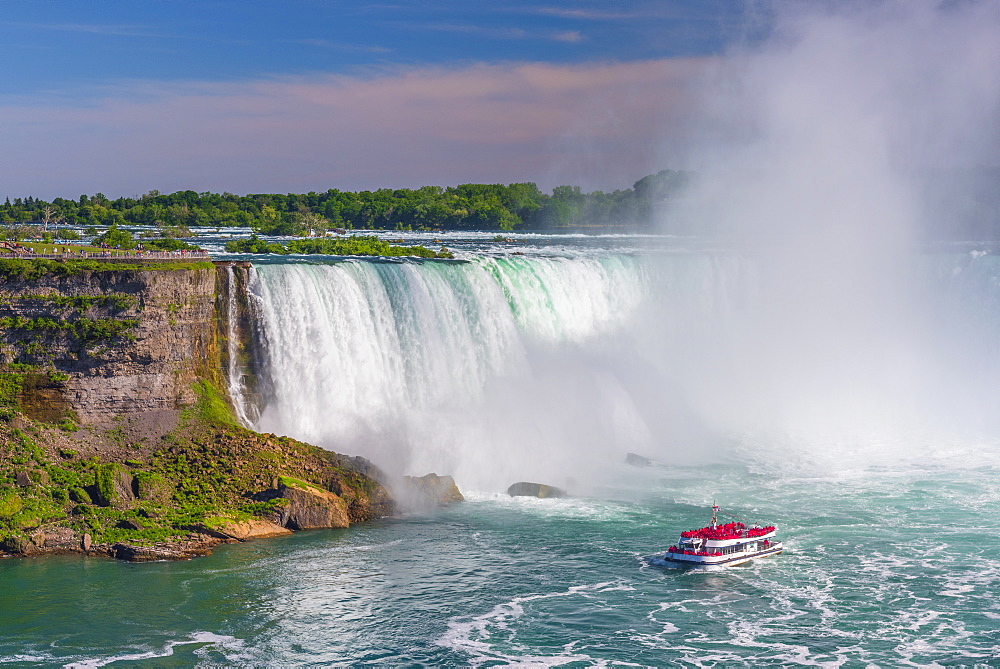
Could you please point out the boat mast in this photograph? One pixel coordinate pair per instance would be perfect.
(715, 511)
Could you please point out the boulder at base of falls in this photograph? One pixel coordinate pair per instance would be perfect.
(637, 460)
(244, 530)
(310, 507)
(526, 489)
(432, 490)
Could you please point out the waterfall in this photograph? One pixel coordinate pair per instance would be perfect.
(457, 367)
(235, 369)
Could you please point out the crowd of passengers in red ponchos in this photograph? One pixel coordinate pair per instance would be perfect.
(727, 531)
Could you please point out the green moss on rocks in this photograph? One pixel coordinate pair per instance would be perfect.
(212, 407)
(10, 504)
(174, 495)
(153, 487)
(112, 484)
(293, 482)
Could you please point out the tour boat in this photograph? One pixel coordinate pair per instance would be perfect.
(718, 546)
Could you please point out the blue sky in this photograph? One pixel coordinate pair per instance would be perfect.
(52, 46)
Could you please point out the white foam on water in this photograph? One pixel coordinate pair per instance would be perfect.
(231, 647)
(482, 637)
(35, 657)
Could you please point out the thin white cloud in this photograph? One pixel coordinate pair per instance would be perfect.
(125, 30)
(586, 14)
(568, 36)
(471, 29)
(338, 46)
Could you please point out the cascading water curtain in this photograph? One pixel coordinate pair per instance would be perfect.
(438, 365)
(234, 372)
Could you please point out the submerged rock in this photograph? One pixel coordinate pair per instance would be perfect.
(194, 546)
(433, 490)
(526, 489)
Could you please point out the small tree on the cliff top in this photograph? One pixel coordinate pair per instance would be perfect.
(115, 238)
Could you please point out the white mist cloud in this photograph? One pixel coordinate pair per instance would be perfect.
(808, 146)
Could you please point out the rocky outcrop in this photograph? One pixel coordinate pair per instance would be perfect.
(245, 530)
(310, 507)
(431, 490)
(637, 460)
(526, 489)
(193, 546)
(113, 486)
(47, 541)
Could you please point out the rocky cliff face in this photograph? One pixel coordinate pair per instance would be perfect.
(110, 342)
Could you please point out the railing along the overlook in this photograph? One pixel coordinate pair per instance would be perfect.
(112, 255)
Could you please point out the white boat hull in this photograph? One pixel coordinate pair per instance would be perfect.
(714, 562)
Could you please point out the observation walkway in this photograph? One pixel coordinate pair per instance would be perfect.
(109, 255)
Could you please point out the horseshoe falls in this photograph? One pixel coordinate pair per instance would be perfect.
(465, 368)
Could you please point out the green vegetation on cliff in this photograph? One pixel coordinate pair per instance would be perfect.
(33, 326)
(199, 477)
(84, 329)
(355, 245)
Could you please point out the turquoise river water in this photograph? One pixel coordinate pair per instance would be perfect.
(887, 568)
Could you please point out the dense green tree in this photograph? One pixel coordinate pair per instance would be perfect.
(116, 238)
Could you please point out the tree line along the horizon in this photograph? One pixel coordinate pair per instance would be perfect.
(468, 206)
